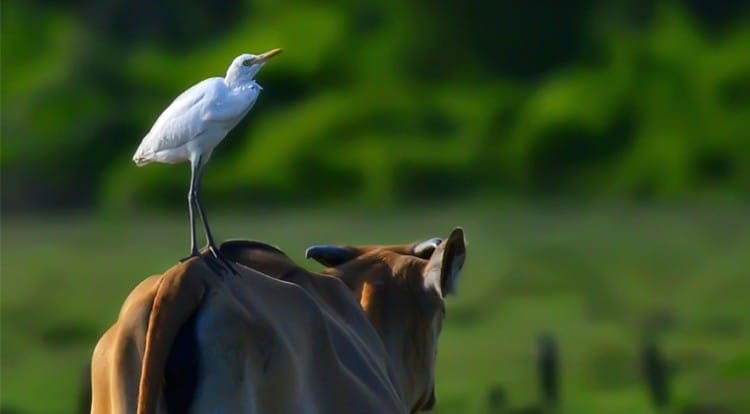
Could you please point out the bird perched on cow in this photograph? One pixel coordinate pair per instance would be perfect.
(196, 122)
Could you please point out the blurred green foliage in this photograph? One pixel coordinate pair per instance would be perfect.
(383, 101)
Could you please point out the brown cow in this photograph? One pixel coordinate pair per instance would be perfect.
(191, 341)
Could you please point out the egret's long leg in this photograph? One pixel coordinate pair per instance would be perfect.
(204, 219)
(191, 209)
(209, 237)
(192, 206)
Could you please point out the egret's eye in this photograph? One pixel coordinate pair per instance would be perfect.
(247, 62)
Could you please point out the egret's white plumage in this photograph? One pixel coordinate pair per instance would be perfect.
(198, 120)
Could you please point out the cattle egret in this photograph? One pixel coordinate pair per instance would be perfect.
(196, 122)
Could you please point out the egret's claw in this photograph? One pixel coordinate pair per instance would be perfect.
(224, 262)
(211, 262)
(194, 253)
(215, 265)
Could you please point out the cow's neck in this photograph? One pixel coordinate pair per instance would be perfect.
(407, 342)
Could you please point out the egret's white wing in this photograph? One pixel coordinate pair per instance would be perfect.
(233, 106)
(184, 118)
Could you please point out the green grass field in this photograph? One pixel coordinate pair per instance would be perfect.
(596, 277)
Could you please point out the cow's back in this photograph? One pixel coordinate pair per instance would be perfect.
(266, 345)
(256, 344)
(116, 360)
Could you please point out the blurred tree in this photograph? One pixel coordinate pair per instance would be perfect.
(383, 101)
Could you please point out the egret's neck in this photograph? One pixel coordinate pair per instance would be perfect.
(241, 76)
(237, 80)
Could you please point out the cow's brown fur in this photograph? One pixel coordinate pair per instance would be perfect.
(390, 283)
(311, 324)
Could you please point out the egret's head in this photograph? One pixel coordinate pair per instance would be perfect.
(244, 67)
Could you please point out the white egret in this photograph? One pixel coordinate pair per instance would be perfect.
(198, 120)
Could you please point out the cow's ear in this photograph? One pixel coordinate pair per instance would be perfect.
(444, 267)
(330, 256)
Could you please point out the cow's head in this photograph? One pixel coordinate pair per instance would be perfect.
(402, 290)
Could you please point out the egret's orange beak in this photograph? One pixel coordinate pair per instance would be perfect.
(268, 55)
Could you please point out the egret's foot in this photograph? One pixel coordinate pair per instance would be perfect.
(215, 265)
(194, 253)
(223, 261)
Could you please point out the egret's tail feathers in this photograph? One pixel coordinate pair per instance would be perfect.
(140, 160)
